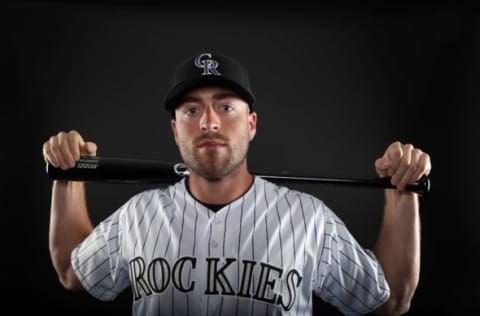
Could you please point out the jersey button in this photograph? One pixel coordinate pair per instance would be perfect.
(217, 221)
(214, 244)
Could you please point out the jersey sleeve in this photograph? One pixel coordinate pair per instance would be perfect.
(349, 277)
(97, 261)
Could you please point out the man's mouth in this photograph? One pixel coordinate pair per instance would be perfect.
(211, 144)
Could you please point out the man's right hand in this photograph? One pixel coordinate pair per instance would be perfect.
(64, 149)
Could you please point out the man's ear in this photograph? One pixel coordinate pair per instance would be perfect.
(252, 125)
(173, 125)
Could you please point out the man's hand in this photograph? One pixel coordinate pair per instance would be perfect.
(404, 163)
(64, 149)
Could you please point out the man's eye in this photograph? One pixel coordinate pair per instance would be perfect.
(191, 111)
(227, 108)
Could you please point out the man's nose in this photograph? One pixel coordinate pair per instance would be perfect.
(209, 120)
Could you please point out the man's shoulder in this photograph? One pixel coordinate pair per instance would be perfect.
(287, 191)
(167, 192)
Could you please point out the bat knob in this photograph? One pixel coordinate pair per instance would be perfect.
(422, 186)
(181, 169)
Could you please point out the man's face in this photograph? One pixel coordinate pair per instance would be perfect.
(213, 128)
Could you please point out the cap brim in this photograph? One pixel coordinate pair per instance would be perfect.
(173, 97)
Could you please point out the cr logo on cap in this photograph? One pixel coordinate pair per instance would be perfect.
(209, 65)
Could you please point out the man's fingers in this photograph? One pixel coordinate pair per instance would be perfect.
(394, 153)
(404, 164)
(64, 149)
(75, 141)
(48, 154)
(423, 166)
(406, 176)
(55, 150)
(90, 148)
(388, 163)
(381, 166)
(407, 164)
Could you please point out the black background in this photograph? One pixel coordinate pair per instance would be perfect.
(334, 85)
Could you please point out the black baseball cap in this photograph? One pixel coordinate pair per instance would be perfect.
(207, 69)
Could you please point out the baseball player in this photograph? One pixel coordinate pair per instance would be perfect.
(222, 241)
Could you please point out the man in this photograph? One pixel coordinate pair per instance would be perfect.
(223, 241)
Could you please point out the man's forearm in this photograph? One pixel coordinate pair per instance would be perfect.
(69, 225)
(398, 248)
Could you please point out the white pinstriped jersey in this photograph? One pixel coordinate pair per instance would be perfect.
(265, 253)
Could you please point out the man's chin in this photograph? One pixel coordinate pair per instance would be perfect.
(213, 171)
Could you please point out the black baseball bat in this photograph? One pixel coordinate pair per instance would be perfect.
(128, 170)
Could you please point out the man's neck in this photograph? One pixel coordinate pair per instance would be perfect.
(221, 191)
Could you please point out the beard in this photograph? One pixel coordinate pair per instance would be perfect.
(214, 164)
